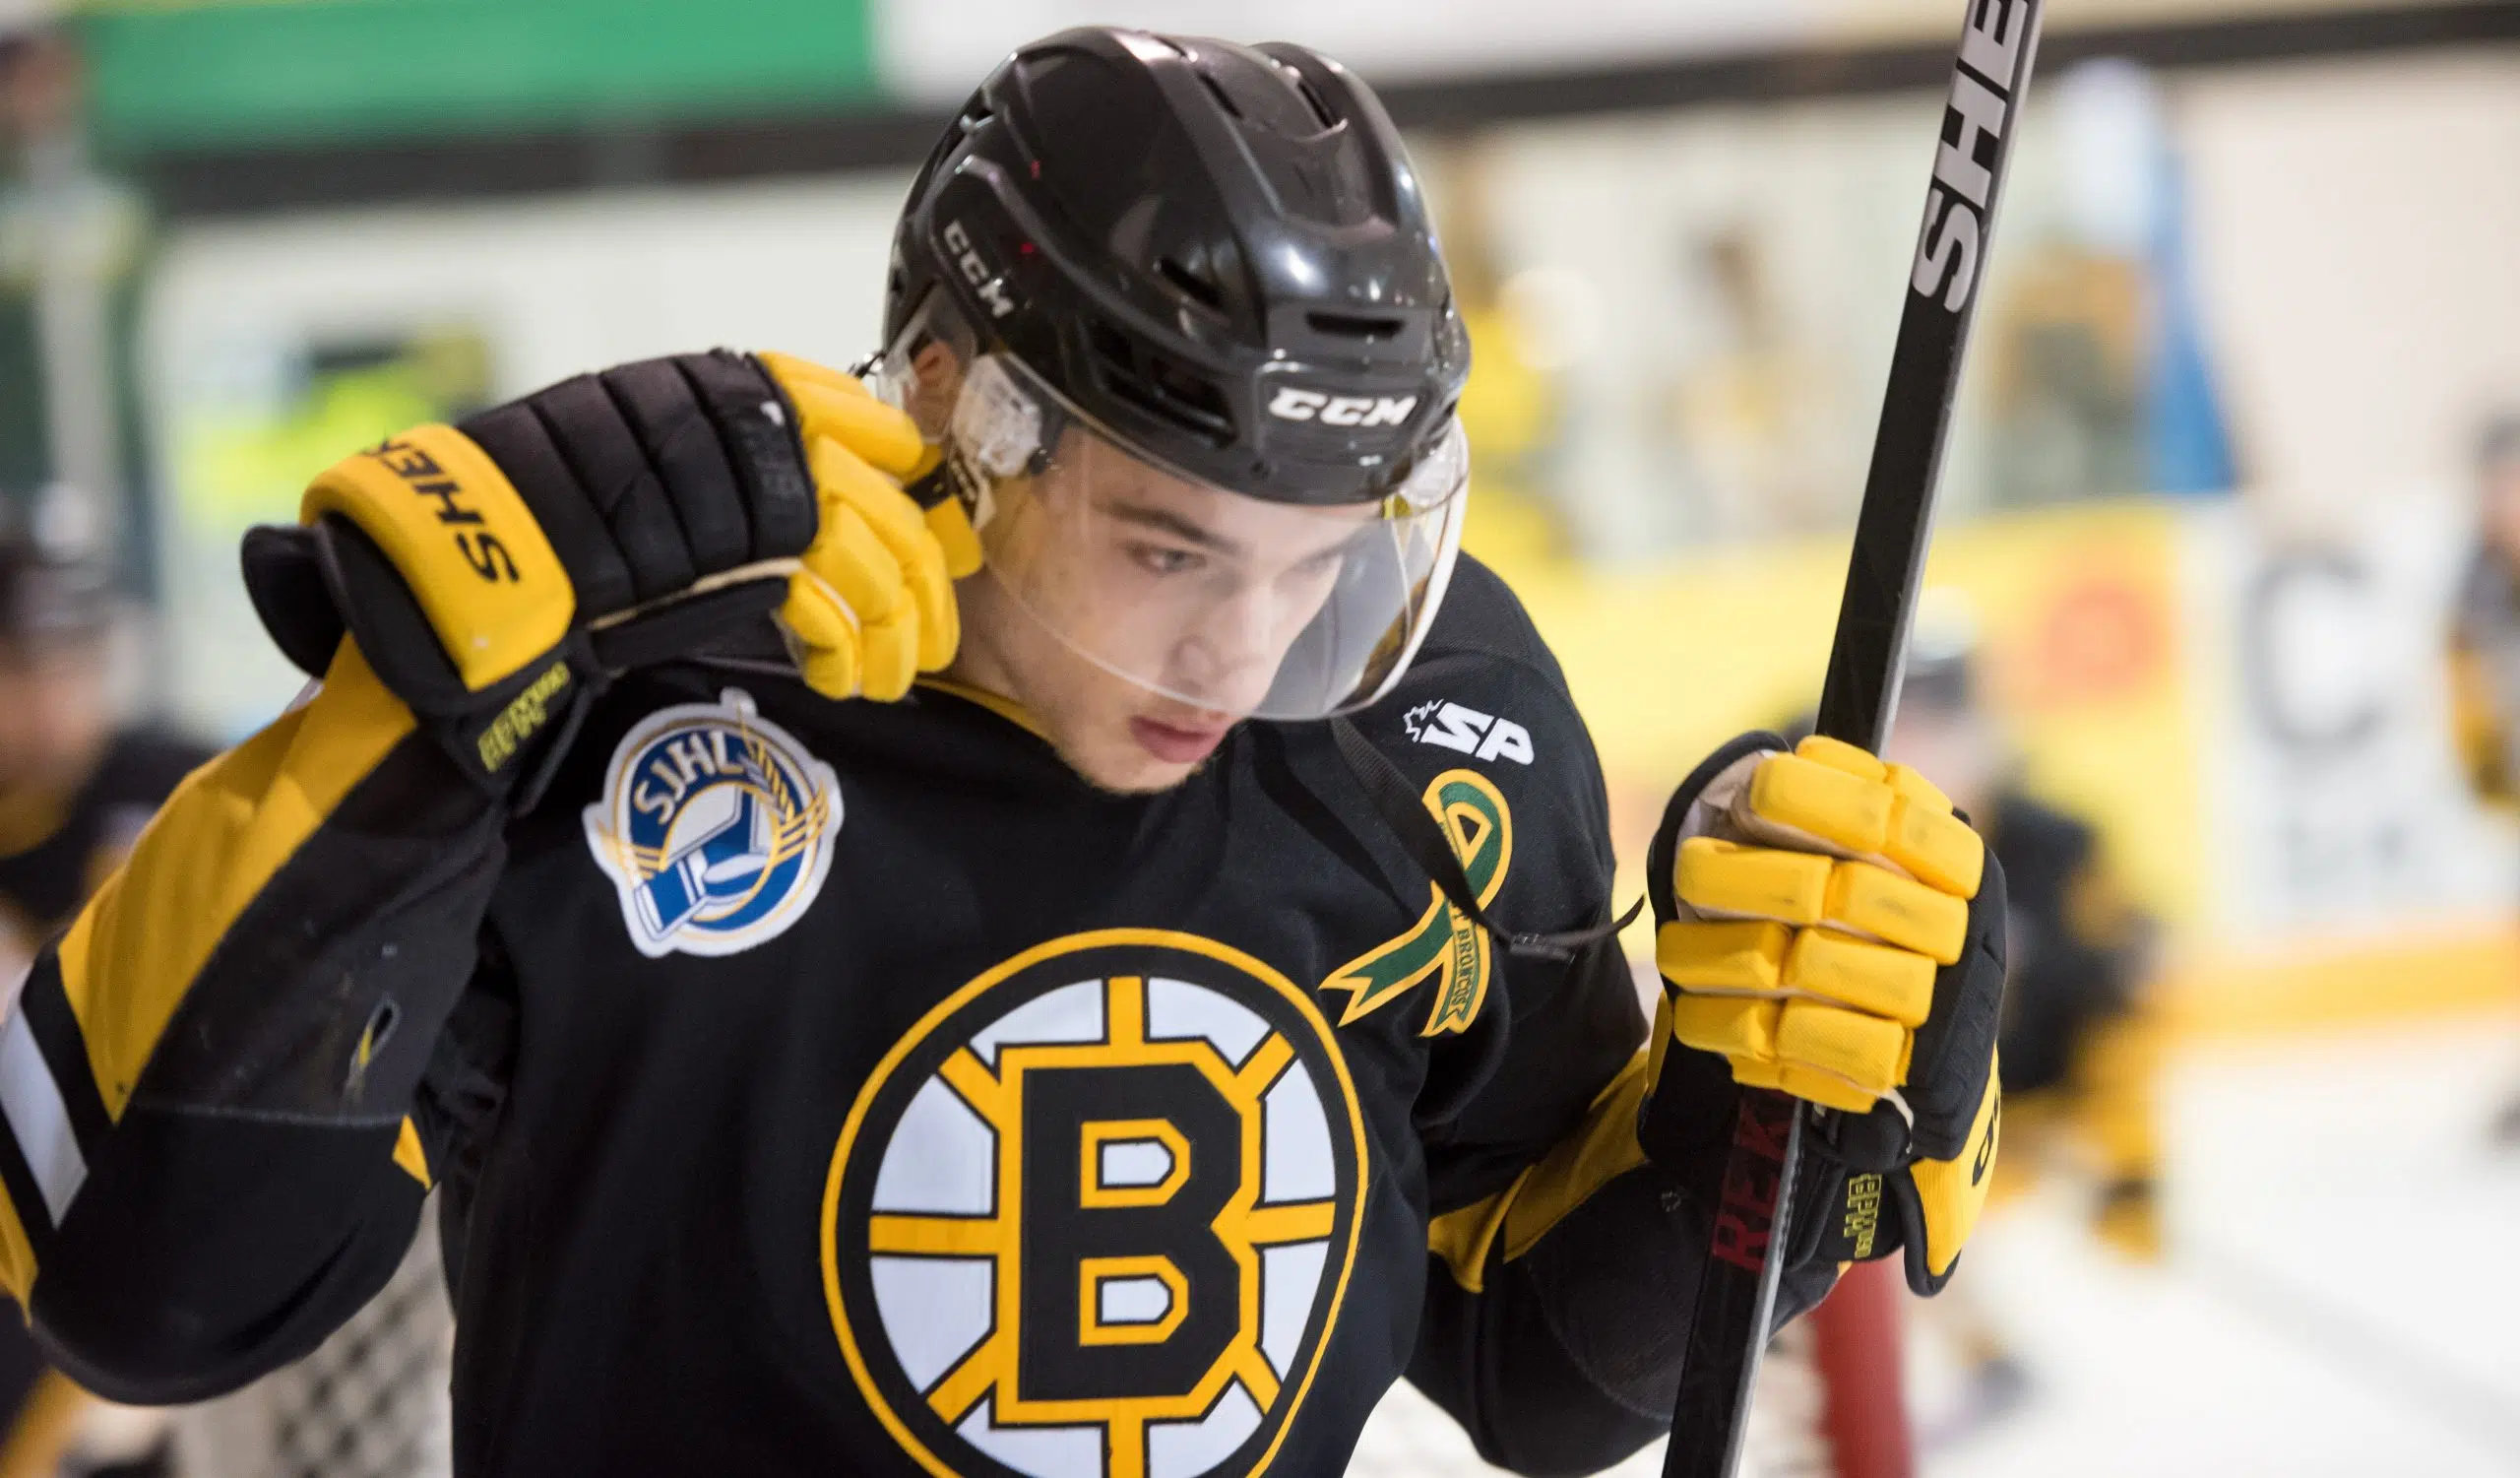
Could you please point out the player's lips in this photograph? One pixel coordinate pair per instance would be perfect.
(1178, 743)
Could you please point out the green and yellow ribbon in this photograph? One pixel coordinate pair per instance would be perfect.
(1481, 831)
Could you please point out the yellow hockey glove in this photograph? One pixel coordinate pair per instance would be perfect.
(499, 572)
(1818, 901)
(871, 604)
(1829, 927)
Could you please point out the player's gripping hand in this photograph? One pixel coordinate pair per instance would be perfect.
(1828, 926)
(871, 602)
(497, 573)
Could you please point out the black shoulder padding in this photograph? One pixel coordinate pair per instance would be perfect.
(1481, 614)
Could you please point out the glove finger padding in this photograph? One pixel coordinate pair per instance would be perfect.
(836, 407)
(882, 579)
(1829, 927)
(1915, 1180)
(1813, 896)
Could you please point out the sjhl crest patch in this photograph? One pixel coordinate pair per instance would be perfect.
(716, 826)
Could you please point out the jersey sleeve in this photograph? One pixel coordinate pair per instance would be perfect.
(1562, 1265)
(205, 1157)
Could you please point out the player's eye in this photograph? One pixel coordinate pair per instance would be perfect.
(1165, 559)
(1324, 563)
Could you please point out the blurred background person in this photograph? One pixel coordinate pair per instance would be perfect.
(2079, 1054)
(76, 788)
(2484, 651)
(75, 785)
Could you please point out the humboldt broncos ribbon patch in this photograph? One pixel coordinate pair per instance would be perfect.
(1442, 942)
(715, 825)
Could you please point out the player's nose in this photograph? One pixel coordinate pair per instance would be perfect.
(1229, 659)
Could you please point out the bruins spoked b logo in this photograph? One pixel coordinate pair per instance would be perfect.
(1093, 1216)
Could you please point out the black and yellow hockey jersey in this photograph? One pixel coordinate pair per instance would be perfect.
(54, 849)
(2081, 1043)
(824, 1087)
(2079, 948)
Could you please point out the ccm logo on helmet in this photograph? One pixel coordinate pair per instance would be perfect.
(1292, 403)
(967, 258)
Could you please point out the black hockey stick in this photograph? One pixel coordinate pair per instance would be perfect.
(1747, 1236)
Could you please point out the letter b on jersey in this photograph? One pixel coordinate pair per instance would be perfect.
(1127, 1291)
(1096, 1213)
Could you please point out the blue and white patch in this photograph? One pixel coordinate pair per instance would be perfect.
(716, 826)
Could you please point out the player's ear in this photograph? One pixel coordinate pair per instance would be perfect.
(936, 380)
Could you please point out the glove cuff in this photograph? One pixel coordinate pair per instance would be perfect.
(284, 574)
(506, 737)
(1862, 1216)
(466, 546)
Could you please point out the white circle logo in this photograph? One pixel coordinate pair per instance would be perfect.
(1093, 1216)
(715, 826)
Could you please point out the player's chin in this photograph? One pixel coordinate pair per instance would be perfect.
(1146, 752)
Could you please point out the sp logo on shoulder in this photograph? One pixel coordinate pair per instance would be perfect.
(715, 826)
(1095, 1215)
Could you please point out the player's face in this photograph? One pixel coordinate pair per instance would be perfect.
(1954, 747)
(2501, 494)
(1155, 612)
(54, 715)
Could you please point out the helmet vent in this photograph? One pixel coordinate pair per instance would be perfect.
(1198, 286)
(1320, 109)
(1157, 386)
(1353, 326)
(1263, 97)
(1224, 100)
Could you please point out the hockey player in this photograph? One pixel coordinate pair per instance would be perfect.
(1083, 1061)
(2485, 649)
(2079, 1048)
(75, 792)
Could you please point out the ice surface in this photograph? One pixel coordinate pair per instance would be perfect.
(2339, 1299)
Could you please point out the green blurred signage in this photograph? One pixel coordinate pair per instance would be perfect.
(280, 72)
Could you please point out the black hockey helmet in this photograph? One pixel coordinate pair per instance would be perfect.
(1211, 265)
(49, 601)
(1942, 672)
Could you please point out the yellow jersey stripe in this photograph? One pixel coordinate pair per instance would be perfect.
(140, 944)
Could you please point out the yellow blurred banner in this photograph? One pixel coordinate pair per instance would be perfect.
(2254, 725)
(2082, 652)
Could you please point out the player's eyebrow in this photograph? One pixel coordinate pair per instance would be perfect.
(1167, 522)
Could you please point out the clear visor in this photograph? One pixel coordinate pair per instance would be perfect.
(1234, 604)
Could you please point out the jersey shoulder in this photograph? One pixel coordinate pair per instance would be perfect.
(1486, 694)
(2032, 838)
(1486, 686)
(1483, 617)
